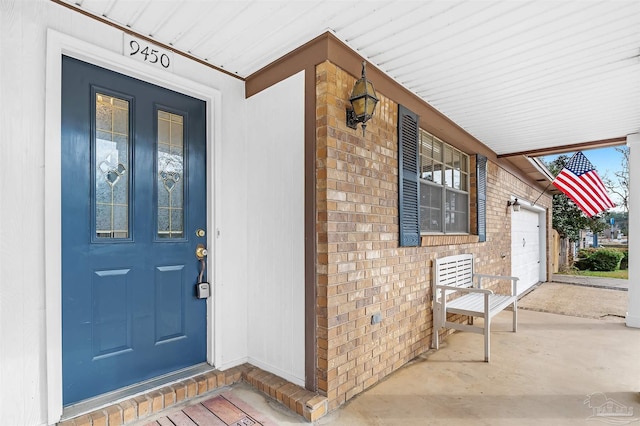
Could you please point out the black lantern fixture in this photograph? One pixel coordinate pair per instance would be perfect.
(514, 204)
(363, 101)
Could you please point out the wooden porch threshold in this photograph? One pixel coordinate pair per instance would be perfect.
(152, 403)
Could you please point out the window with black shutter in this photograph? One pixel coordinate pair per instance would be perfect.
(434, 184)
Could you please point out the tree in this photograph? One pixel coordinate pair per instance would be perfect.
(568, 219)
(619, 184)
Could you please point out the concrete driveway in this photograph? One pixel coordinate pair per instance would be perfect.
(578, 300)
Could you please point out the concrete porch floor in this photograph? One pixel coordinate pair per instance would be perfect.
(541, 375)
(556, 370)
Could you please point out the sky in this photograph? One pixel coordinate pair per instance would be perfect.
(607, 162)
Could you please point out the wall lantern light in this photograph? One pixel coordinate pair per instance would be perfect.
(514, 204)
(363, 101)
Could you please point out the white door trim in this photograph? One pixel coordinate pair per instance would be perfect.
(59, 44)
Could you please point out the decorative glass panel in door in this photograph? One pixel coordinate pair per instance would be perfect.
(170, 156)
(112, 145)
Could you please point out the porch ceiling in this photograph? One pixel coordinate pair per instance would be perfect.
(517, 75)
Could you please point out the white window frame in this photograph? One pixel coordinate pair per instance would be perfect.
(462, 181)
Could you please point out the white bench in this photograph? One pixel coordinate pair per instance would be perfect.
(457, 290)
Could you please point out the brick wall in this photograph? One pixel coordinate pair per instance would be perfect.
(361, 270)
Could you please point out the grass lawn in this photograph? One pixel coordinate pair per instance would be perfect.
(623, 274)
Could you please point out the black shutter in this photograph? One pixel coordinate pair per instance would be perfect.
(481, 191)
(409, 187)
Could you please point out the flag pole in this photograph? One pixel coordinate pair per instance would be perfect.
(550, 183)
(543, 191)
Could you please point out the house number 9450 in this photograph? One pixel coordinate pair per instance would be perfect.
(146, 52)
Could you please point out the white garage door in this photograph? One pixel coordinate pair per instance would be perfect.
(525, 248)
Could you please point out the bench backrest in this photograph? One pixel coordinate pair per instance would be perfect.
(454, 271)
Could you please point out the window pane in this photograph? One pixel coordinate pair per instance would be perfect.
(430, 208)
(111, 159)
(455, 160)
(464, 179)
(426, 163)
(456, 213)
(170, 175)
(427, 169)
(448, 160)
(456, 179)
(448, 156)
(448, 177)
(437, 173)
(464, 163)
(427, 145)
(437, 150)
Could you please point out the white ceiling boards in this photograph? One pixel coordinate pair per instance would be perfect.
(517, 75)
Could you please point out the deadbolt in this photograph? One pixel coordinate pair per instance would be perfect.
(200, 232)
(201, 251)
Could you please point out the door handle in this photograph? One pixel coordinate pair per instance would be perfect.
(203, 290)
(201, 251)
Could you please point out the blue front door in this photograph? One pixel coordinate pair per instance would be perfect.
(133, 213)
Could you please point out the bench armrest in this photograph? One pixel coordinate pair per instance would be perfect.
(500, 277)
(464, 289)
(514, 284)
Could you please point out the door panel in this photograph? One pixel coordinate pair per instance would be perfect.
(111, 331)
(133, 195)
(169, 310)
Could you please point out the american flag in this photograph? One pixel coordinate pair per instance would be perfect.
(579, 181)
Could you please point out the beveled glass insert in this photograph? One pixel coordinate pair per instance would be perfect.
(170, 175)
(112, 166)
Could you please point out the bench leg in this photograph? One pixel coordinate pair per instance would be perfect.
(487, 336)
(515, 315)
(435, 339)
(438, 322)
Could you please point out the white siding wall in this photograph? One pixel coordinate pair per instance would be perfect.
(23, 340)
(275, 240)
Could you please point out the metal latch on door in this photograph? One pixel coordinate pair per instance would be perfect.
(203, 289)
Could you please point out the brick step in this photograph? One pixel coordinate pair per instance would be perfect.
(308, 404)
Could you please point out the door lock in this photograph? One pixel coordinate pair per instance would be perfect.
(201, 251)
(203, 289)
